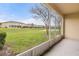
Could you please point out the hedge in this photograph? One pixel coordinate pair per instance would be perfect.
(2, 39)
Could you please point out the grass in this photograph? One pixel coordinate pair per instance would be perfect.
(19, 39)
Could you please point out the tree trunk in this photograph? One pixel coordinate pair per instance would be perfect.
(59, 29)
(47, 32)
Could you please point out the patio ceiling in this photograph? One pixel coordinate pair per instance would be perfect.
(65, 8)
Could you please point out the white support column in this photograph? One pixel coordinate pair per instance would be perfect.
(49, 29)
(62, 26)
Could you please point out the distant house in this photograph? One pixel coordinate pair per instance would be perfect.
(14, 24)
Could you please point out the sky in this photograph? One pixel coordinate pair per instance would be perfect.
(18, 12)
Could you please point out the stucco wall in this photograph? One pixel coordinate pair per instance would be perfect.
(72, 26)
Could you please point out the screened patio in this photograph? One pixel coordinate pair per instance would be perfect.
(66, 43)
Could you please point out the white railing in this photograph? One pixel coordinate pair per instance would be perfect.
(40, 49)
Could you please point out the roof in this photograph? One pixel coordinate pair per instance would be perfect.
(65, 8)
(16, 22)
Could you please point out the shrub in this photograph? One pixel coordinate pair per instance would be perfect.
(2, 39)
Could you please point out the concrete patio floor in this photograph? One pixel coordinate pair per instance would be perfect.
(66, 47)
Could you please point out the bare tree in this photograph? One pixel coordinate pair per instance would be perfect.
(44, 14)
(57, 23)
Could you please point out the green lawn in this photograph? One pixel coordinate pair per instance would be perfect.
(19, 39)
